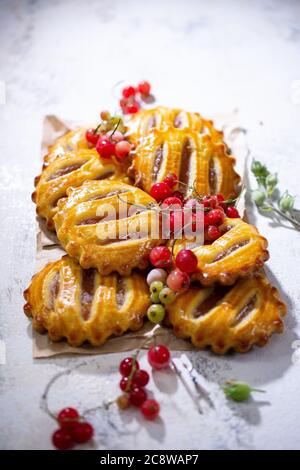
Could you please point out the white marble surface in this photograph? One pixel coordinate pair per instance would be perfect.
(63, 57)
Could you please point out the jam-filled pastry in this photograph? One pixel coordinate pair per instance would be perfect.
(81, 305)
(197, 160)
(162, 117)
(239, 252)
(224, 318)
(69, 142)
(108, 225)
(71, 169)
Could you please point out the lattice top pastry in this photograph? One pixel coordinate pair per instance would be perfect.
(69, 142)
(103, 231)
(81, 305)
(197, 161)
(71, 169)
(239, 252)
(239, 317)
(162, 118)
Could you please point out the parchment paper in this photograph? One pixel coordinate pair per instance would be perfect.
(48, 249)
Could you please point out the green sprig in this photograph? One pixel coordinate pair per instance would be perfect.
(265, 197)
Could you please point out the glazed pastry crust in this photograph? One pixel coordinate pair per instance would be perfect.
(198, 161)
(239, 252)
(69, 142)
(71, 169)
(80, 306)
(244, 316)
(161, 117)
(104, 244)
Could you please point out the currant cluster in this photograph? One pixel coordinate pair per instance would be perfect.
(173, 276)
(72, 430)
(134, 381)
(108, 137)
(131, 96)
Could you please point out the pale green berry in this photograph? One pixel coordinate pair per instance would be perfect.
(272, 180)
(155, 298)
(258, 197)
(156, 313)
(156, 287)
(167, 295)
(238, 391)
(286, 202)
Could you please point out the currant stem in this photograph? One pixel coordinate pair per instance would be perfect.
(284, 216)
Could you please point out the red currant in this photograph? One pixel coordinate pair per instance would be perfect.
(67, 417)
(132, 108)
(105, 148)
(220, 197)
(213, 232)
(178, 281)
(144, 87)
(232, 213)
(122, 149)
(150, 409)
(213, 201)
(160, 191)
(186, 261)
(171, 179)
(105, 115)
(140, 378)
(192, 205)
(123, 103)
(91, 137)
(126, 365)
(62, 439)
(125, 385)
(159, 356)
(172, 201)
(215, 217)
(160, 256)
(176, 221)
(137, 396)
(205, 220)
(128, 91)
(82, 432)
(178, 194)
(206, 201)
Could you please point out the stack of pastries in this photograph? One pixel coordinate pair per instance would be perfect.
(99, 289)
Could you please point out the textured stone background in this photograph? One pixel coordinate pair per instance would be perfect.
(63, 57)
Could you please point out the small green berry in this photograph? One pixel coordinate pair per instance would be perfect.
(155, 298)
(238, 391)
(156, 313)
(258, 197)
(286, 202)
(156, 287)
(167, 295)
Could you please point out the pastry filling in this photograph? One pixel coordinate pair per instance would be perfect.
(53, 290)
(120, 291)
(230, 250)
(215, 297)
(186, 154)
(87, 292)
(151, 123)
(245, 311)
(108, 174)
(178, 121)
(110, 216)
(66, 170)
(212, 176)
(105, 195)
(158, 159)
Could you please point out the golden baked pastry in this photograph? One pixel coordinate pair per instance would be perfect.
(239, 252)
(71, 169)
(69, 142)
(81, 305)
(102, 231)
(162, 117)
(225, 318)
(197, 161)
